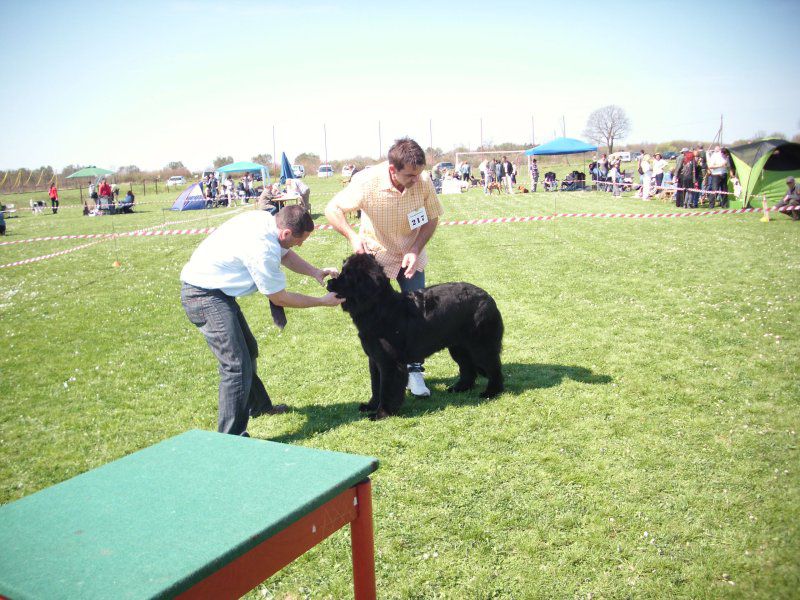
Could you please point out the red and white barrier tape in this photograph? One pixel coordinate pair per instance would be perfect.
(34, 259)
(326, 227)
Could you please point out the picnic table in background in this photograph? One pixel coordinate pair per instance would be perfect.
(200, 515)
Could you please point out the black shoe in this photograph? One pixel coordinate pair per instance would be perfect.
(277, 409)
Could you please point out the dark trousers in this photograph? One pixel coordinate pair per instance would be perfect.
(718, 183)
(659, 181)
(54, 205)
(241, 391)
(417, 282)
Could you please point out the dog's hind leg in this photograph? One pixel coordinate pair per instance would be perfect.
(488, 364)
(466, 369)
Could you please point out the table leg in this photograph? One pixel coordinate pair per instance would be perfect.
(363, 545)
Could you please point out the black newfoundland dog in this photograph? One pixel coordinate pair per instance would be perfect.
(397, 329)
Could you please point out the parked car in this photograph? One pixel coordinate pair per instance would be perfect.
(445, 165)
(621, 156)
(347, 170)
(176, 180)
(670, 155)
(299, 171)
(636, 155)
(325, 171)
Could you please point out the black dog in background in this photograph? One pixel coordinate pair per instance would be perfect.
(397, 329)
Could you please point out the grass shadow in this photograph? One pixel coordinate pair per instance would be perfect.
(519, 377)
(321, 418)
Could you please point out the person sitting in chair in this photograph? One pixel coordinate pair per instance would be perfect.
(127, 203)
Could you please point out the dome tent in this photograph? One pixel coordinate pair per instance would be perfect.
(762, 168)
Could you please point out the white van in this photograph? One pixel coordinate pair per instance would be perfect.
(621, 156)
(325, 171)
(299, 171)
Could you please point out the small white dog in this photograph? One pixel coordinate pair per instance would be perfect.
(37, 206)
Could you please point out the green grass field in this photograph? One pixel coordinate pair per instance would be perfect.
(646, 446)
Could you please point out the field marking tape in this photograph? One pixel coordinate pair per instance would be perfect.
(86, 236)
(34, 259)
(153, 232)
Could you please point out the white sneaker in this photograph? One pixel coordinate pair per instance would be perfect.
(416, 383)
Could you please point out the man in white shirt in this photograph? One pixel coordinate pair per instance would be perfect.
(242, 256)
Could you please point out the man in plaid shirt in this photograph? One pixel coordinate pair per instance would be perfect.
(399, 213)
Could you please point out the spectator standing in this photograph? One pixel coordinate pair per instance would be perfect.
(686, 180)
(499, 171)
(659, 164)
(465, 171)
(534, 171)
(646, 172)
(602, 168)
(482, 170)
(53, 193)
(717, 178)
(115, 191)
(92, 197)
(508, 174)
(399, 214)
(489, 176)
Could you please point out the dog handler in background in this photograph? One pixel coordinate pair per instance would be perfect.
(399, 213)
(242, 256)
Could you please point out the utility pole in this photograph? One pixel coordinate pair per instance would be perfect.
(430, 131)
(380, 143)
(533, 133)
(274, 157)
(325, 138)
(481, 146)
(563, 127)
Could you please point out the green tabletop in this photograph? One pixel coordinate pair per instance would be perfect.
(156, 522)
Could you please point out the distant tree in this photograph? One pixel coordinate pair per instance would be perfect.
(309, 160)
(221, 161)
(128, 169)
(777, 134)
(70, 169)
(262, 159)
(606, 125)
(434, 153)
(175, 165)
(796, 138)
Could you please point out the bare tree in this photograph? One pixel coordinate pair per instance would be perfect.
(606, 125)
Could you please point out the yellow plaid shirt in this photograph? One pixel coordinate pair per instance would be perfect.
(384, 214)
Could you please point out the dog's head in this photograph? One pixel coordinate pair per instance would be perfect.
(361, 283)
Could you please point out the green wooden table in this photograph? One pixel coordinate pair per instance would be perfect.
(200, 515)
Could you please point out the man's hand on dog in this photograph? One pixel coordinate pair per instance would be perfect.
(326, 272)
(331, 299)
(358, 244)
(409, 264)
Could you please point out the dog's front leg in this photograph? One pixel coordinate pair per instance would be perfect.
(375, 381)
(392, 388)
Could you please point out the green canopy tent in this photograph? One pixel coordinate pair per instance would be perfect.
(93, 172)
(90, 172)
(762, 168)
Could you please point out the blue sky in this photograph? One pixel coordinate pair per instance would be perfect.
(145, 83)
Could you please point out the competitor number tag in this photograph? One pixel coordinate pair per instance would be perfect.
(417, 218)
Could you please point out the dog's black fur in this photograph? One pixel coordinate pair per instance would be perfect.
(397, 329)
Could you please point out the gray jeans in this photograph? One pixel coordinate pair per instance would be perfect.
(241, 392)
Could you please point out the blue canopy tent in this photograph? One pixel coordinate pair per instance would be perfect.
(286, 169)
(563, 145)
(191, 198)
(244, 166)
